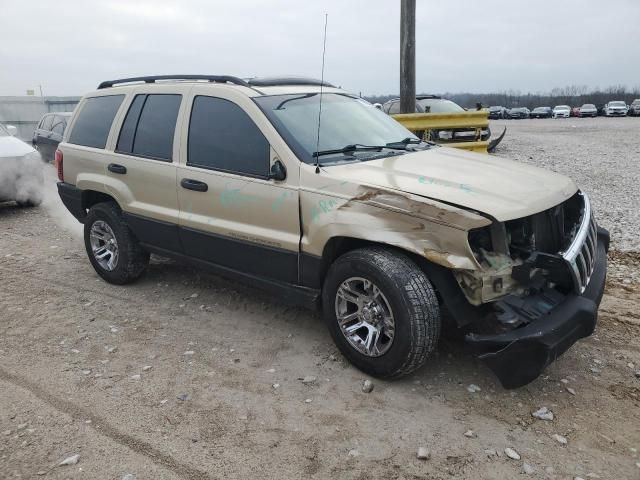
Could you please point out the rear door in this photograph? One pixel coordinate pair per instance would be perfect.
(231, 213)
(42, 137)
(141, 174)
(57, 132)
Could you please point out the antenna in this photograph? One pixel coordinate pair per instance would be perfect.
(324, 49)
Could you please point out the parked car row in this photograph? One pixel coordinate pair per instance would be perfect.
(615, 108)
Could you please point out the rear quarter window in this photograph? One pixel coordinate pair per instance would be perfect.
(92, 126)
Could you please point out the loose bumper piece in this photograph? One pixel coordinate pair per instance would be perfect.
(519, 356)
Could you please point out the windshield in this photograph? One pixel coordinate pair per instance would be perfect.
(617, 104)
(588, 105)
(494, 109)
(346, 120)
(541, 109)
(562, 107)
(3, 132)
(438, 105)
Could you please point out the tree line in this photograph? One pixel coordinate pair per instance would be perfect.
(573, 95)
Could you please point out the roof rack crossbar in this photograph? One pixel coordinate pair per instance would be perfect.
(287, 81)
(153, 79)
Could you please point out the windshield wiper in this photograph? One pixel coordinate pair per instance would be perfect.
(402, 144)
(358, 147)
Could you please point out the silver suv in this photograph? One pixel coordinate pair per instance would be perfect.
(345, 210)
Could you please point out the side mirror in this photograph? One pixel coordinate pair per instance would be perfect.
(12, 129)
(278, 171)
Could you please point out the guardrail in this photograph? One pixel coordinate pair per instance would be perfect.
(423, 124)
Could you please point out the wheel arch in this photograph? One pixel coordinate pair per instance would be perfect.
(337, 246)
(93, 197)
(456, 307)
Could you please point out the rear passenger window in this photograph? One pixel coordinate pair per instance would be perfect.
(58, 125)
(223, 137)
(46, 122)
(149, 126)
(92, 126)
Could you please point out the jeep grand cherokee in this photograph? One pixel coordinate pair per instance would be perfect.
(346, 210)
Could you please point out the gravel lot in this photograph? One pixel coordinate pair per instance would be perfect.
(601, 154)
(187, 375)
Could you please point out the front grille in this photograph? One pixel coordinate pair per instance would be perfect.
(581, 253)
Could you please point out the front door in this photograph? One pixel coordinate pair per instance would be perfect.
(231, 213)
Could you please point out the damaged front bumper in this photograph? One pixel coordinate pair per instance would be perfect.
(520, 355)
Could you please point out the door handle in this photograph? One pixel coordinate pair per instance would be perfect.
(115, 168)
(194, 185)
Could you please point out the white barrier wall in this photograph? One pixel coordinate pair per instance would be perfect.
(25, 112)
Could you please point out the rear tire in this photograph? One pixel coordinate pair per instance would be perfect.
(404, 294)
(113, 250)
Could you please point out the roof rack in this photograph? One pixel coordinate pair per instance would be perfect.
(289, 81)
(153, 79)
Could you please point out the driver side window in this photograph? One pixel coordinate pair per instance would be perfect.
(223, 137)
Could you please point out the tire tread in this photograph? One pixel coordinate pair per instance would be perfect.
(135, 257)
(420, 299)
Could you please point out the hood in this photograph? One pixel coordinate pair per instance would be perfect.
(500, 188)
(13, 147)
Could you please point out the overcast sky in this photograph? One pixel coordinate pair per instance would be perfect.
(69, 46)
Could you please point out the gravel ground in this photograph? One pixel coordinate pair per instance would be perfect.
(187, 375)
(601, 154)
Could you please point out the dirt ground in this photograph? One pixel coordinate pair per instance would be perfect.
(187, 375)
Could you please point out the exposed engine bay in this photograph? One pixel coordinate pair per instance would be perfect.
(524, 271)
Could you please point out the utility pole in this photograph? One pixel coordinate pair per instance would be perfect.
(407, 56)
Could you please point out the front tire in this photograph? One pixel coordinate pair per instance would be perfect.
(28, 203)
(381, 311)
(113, 250)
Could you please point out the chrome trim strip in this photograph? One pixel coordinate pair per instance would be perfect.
(581, 254)
(578, 241)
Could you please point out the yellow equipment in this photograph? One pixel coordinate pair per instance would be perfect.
(458, 130)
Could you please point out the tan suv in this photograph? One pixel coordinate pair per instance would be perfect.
(312, 193)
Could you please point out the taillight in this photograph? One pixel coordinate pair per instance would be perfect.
(59, 157)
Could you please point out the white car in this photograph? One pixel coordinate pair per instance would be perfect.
(561, 111)
(616, 109)
(21, 170)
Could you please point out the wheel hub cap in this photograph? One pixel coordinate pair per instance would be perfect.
(364, 316)
(104, 245)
